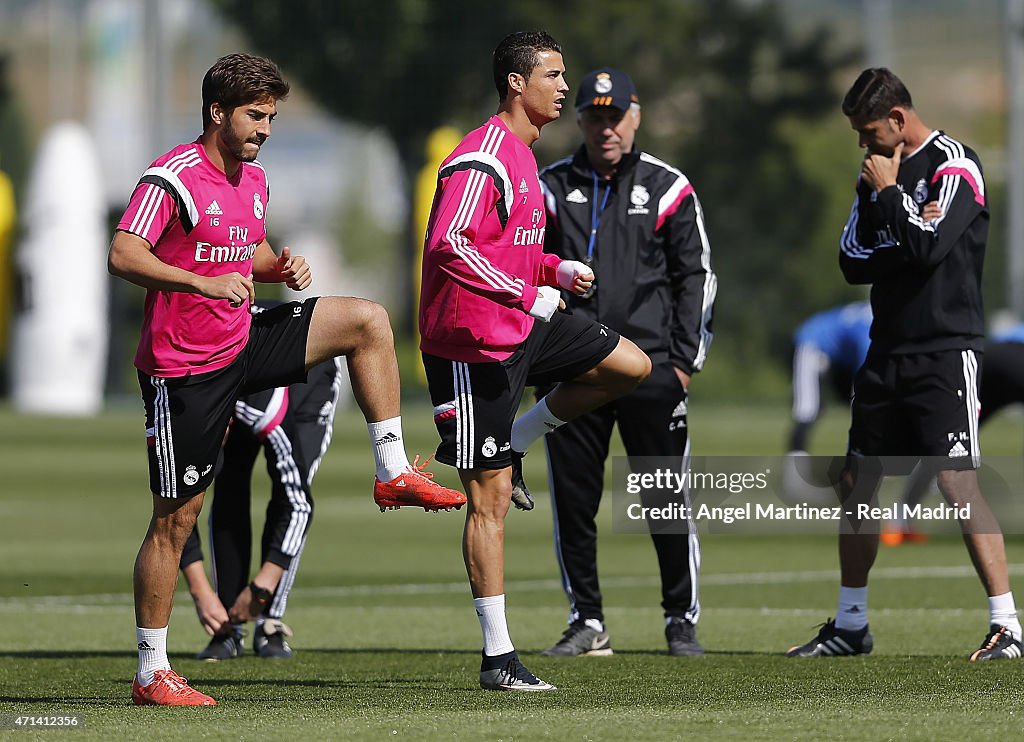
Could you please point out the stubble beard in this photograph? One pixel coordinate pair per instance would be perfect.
(236, 145)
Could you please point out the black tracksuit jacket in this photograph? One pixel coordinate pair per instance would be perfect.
(925, 276)
(651, 257)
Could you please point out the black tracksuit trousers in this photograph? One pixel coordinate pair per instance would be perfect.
(652, 422)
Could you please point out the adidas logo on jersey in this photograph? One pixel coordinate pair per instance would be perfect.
(680, 409)
(957, 450)
(576, 197)
(523, 188)
(214, 209)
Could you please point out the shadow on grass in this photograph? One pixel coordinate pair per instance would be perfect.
(707, 652)
(234, 686)
(388, 650)
(379, 683)
(64, 654)
(83, 654)
(84, 700)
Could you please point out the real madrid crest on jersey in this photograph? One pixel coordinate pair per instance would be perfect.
(639, 198)
(257, 206)
(921, 192)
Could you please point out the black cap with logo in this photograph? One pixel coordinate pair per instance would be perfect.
(606, 87)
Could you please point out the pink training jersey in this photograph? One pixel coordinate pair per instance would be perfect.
(198, 219)
(484, 253)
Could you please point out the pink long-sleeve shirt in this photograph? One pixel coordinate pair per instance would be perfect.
(483, 258)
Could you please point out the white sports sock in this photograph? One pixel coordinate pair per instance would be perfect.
(534, 423)
(152, 652)
(594, 624)
(852, 614)
(1003, 611)
(388, 448)
(491, 612)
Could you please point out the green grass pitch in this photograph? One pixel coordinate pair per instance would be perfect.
(387, 645)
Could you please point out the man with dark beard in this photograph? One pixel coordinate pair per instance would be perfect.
(194, 237)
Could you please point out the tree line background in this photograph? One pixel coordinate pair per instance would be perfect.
(740, 101)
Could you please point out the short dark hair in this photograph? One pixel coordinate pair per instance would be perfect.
(237, 79)
(875, 92)
(517, 53)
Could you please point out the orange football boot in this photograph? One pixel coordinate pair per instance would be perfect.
(415, 487)
(896, 534)
(892, 534)
(168, 689)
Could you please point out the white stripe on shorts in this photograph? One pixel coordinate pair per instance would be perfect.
(973, 402)
(464, 439)
(164, 438)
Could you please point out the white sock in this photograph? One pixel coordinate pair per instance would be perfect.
(491, 612)
(852, 614)
(1002, 611)
(595, 624)
(152, 652)
(388, 448)
(534, 423)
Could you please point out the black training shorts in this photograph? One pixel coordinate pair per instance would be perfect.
(918, 404)
(475, 403)
(187, 416)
